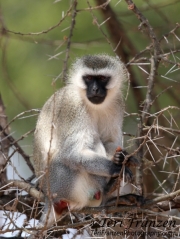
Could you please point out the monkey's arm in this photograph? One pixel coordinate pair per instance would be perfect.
(94, 163)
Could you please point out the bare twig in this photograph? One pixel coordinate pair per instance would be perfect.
(74, 5)
(19, 149)
(103, 6)
(154, 66)
(44, 31)
(4, 144)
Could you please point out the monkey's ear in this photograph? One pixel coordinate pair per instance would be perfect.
(120, 155)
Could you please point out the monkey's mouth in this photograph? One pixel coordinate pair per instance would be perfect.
(96, 99)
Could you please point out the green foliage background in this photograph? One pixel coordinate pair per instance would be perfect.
(25, 60)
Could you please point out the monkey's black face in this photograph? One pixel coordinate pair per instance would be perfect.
(96, 87)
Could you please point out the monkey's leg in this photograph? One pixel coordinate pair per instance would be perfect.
(113, 183)
(111, 186)
(128, 199)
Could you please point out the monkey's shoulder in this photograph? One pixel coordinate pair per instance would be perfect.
(65, 105)
(67, 95)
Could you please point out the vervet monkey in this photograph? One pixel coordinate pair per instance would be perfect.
(77, 134)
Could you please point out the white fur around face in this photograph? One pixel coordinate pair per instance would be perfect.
(114, 69)
(116, 76)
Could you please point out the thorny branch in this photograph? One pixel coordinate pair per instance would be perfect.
(13, 142)
(158, 136)
(4, 144)
(44, 31)
(156, 202)
(74, 5)
(148, 99)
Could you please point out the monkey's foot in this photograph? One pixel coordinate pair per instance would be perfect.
(114, 182)
(120, 155)
(131, 199)
(127, 175)
(128, 199)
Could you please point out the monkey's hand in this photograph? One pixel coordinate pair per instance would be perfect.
(120, 155)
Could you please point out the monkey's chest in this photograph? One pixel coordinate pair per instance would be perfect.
(107, 132)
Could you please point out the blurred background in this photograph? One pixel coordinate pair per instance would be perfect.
(33, 50)
(38, 39)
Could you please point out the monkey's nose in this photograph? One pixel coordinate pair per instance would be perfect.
(96, 90)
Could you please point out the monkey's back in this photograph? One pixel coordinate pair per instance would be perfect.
(54, 127)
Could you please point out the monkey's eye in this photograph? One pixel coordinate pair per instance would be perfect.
(87, 78)
(103, 78)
